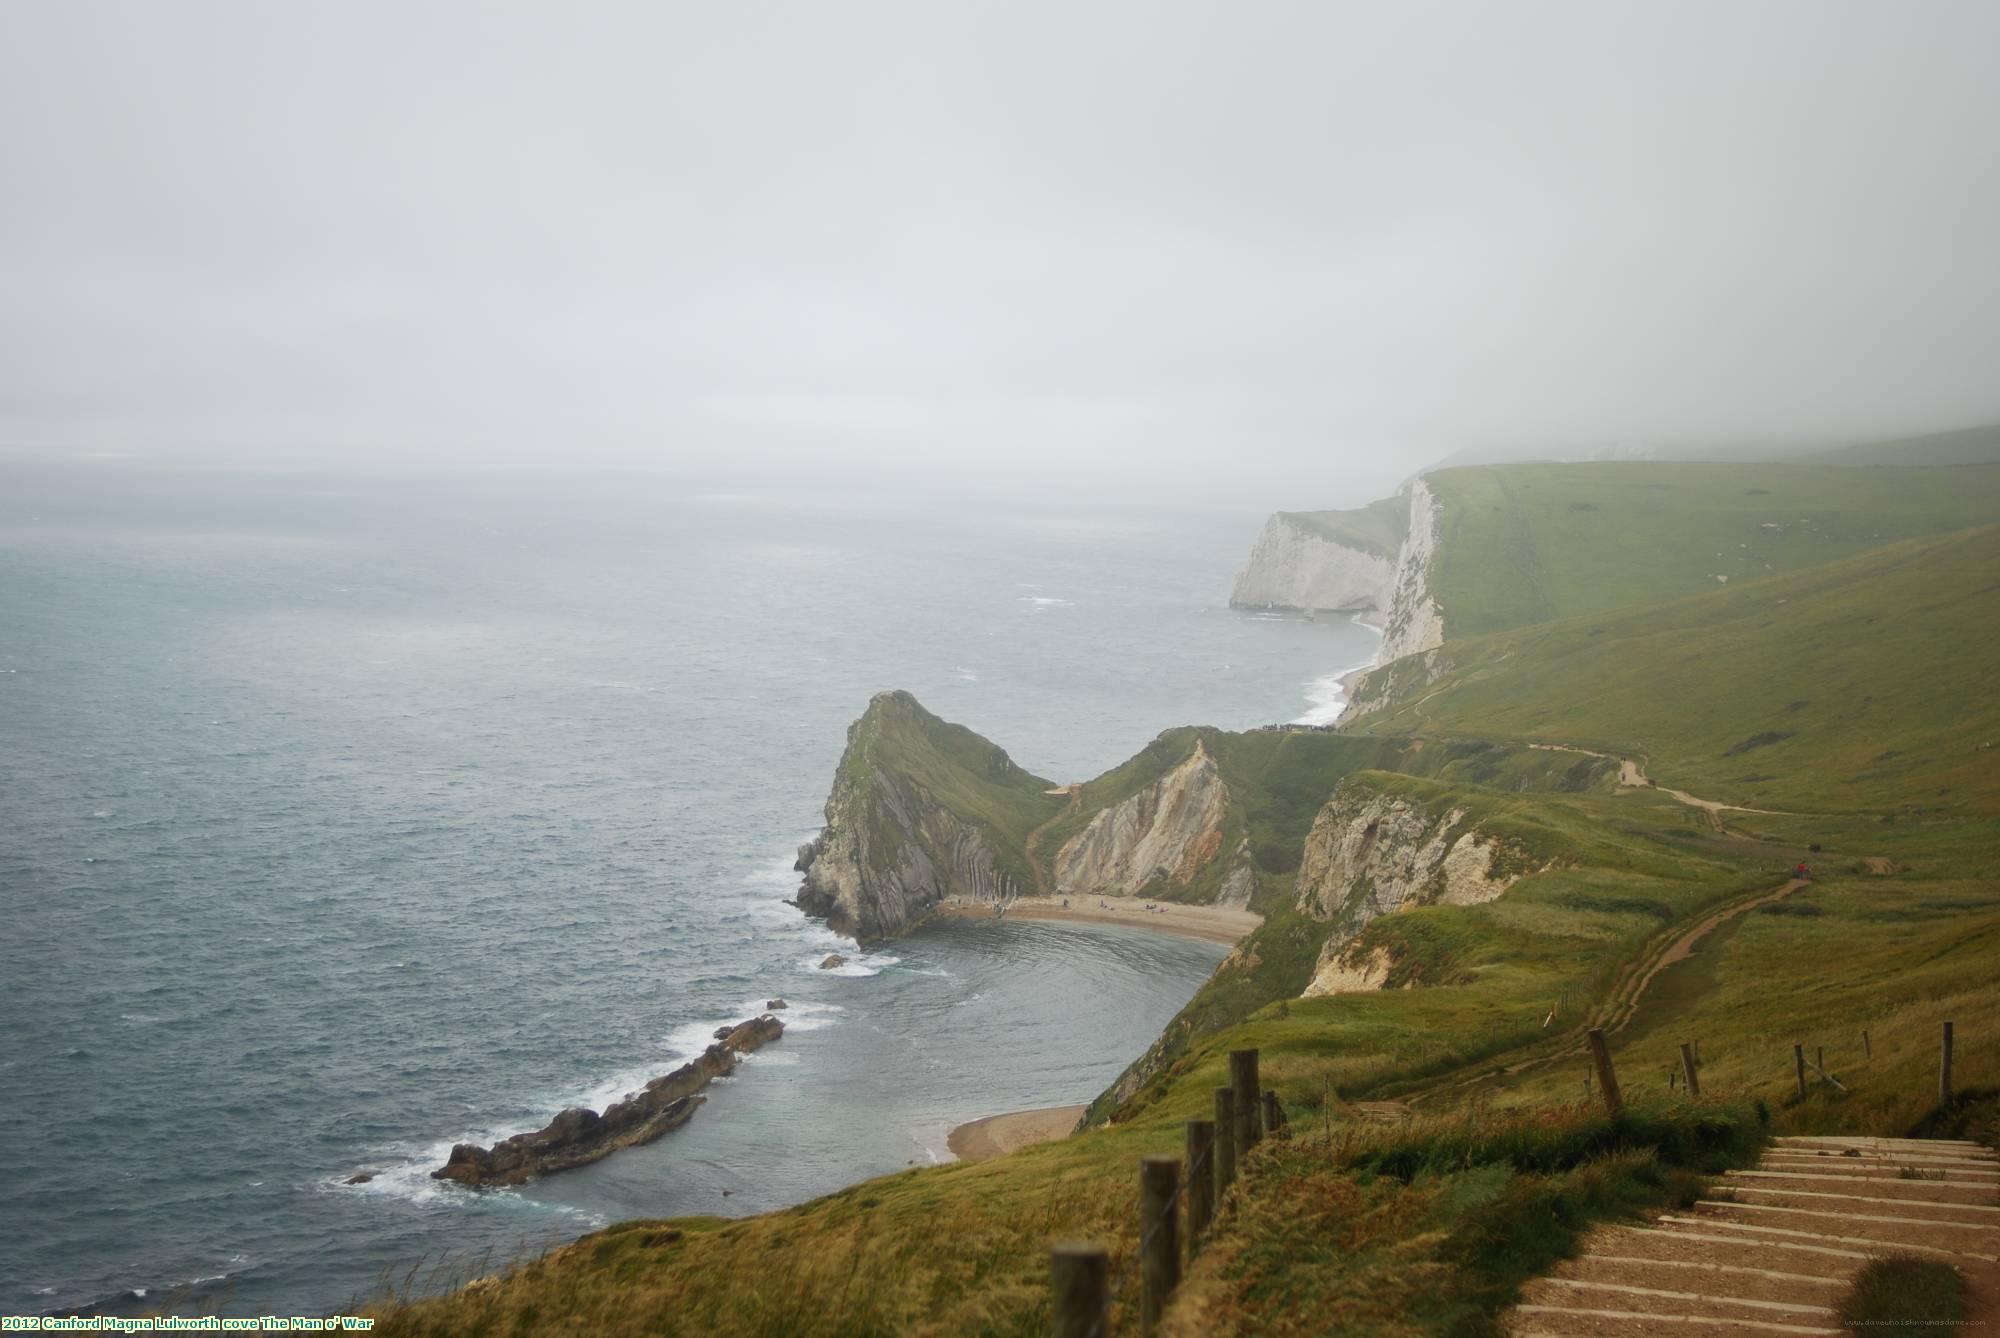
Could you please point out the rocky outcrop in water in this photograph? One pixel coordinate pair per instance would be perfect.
(1168, 832)
(579, 1136)
(1296, 565)
(1372, 853)
(893, 847)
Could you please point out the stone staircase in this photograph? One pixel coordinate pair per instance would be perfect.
(1770, 1251)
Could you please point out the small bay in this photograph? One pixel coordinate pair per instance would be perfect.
(349, 816)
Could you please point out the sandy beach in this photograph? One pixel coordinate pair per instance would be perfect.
(998, 1135)
(1217, 924)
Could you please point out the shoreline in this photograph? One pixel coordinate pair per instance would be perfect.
(998, 1135)
(1213, 924)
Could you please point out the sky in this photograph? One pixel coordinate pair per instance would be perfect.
(1230, 250)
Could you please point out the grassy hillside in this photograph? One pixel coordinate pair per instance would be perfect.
(1864, 686)
(1522, 544)
(1970, 446)
(1842, 676)
(1377, 528)
(961, 1248)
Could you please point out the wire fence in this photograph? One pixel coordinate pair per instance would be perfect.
(1167, 1217)
(1202, 1176)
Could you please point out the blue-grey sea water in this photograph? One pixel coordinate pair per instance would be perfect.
(344, 817)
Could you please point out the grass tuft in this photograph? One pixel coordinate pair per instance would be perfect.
(1905, 1289)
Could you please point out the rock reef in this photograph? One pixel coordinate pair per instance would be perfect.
(579, 1136)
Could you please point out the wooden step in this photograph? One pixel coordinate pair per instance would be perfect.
(1822, 1234)
(1716, 1302)
(1621, 1322)
(1696, 1248)
(1739, 1278)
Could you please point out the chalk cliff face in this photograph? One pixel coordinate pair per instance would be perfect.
(1371, 854)
(891, 848)
(1415, 622)
(1293, 567)
(1169, 831)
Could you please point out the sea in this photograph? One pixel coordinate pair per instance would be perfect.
(346, 816)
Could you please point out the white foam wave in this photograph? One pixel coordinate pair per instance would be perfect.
(964, 673)
(859, 966)
(1038, 603)
(1326, 698)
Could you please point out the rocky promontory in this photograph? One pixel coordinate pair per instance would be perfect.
(579, 1136)
(921, 810)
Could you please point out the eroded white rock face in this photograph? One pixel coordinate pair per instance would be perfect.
(1415, 622)
(1291, 567)
(1370, 855)
(1367, 971)
(1171, 829)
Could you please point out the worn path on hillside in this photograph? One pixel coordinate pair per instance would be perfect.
(1771, 1250)
(1617, 1011)
(1633, 777)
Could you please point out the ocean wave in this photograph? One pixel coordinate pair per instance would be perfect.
(1326, 698)
(1037, 603)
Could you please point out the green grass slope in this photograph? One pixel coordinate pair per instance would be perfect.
(1377, 528)
(1850, 686)
(1865, 686)
(1522, 544)
(1969, 446)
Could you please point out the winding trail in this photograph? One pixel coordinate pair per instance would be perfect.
(1616, 1012)
(1633, 777)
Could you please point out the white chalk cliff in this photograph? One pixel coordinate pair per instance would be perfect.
(1369, 855)
(1170, 831)
(1294, 567)
(1415, 622)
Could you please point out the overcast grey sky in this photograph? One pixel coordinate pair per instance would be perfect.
(1253, 246)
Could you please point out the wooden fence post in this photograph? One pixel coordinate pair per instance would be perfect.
(1607, 1081)
(1944, 1069)
(1867, 1050)
(1819, 1058)
(1243, 1078)
(1200, 1180)
(1078, 1289)
(1159, 1237)
(1274, 1113)
(1688, 1069)
(1799, 1061)
(1225, 1142)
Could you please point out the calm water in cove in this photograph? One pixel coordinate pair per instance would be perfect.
(344, 818)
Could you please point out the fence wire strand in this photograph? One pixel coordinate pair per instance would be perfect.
(1117, 1288)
